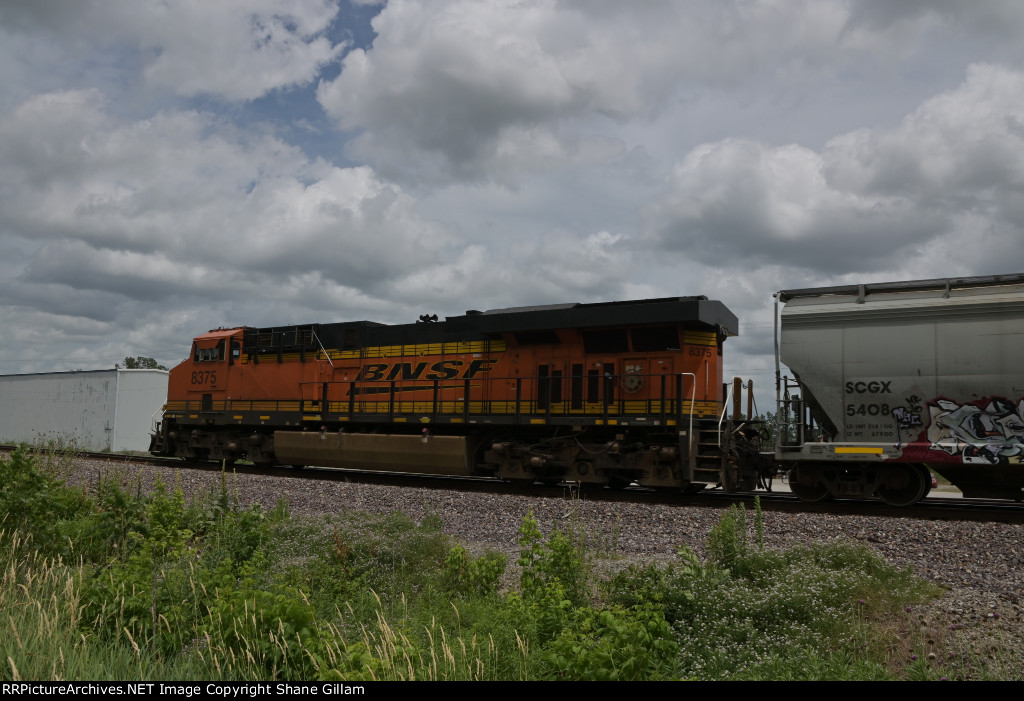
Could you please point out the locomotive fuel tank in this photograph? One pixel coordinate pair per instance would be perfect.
(895, 379)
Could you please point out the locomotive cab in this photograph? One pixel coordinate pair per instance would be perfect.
(205, 376)
(197, 397)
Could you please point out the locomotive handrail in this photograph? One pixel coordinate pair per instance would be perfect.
(385, 398)
(693, 401)
(153, 422)
(721, 418)
(319, 343)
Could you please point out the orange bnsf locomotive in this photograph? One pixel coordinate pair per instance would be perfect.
(605, 394)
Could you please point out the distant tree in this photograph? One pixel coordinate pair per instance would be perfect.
(768, 429)
(140, 363)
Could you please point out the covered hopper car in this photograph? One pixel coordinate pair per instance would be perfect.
(894, 380)
(605, 394)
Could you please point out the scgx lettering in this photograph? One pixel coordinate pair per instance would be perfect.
(871, 387)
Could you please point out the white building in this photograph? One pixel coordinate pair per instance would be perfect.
(86, 409)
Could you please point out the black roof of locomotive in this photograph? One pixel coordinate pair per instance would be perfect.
(699, 312)
(696, 310)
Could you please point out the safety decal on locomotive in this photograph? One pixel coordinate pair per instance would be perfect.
(632, 378)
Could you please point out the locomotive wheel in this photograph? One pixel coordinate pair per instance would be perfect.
(905, 485)
(807, 489)
(619, 483)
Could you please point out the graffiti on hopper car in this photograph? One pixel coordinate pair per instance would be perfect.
(988, 431)
(906, 418)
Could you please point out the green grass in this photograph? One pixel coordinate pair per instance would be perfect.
(117, 584)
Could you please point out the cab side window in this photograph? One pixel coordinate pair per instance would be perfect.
(206, 355)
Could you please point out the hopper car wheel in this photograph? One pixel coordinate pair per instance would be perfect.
(807, 489)
(905, 485)
(927, 485)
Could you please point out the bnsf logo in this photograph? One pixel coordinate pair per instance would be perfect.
(441, 370)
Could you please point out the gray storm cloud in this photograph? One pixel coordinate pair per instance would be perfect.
(171, 167)
(955, 163)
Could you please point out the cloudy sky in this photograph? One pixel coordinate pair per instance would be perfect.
(171, 166)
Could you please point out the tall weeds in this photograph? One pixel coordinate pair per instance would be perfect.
(124, 585)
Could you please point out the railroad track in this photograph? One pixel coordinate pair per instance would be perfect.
(932, 508)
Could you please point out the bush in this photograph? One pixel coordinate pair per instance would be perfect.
(555, 562)
(35, 503)
(613, 644)
(473, 576)
(749, 611)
